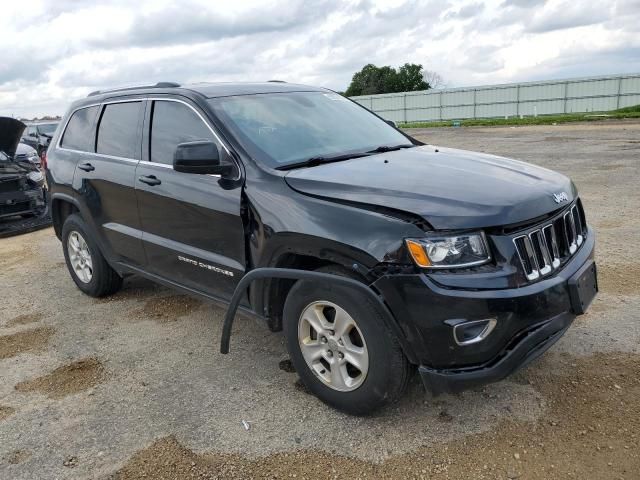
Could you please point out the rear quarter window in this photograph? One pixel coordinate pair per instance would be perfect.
(80, 133)
(118, 130)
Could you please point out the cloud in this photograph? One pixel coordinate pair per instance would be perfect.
(54, 51)
(568, 14)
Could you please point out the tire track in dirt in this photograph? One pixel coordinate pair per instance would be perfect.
(592, 430)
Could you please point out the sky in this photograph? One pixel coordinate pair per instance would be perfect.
(55, 51)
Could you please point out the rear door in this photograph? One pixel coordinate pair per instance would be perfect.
(192, 229)
(104, 180)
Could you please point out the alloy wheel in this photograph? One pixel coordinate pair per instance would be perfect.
(80, 257)
(333, 346)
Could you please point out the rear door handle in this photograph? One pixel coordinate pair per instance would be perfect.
(87, 167)
(149, 180)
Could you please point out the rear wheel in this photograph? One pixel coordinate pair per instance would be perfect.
(87, 266)
(341, 346)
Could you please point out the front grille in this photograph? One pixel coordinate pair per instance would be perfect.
(14, 208)
(10, 186)
(548, 246)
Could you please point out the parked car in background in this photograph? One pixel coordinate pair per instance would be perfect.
(372, 251)
(28, 153)
(38, 135)
(22, 190)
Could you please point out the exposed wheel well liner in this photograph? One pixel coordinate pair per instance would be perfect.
(275, 290)
(60, 210)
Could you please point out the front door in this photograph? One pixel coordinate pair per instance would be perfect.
(192, 229)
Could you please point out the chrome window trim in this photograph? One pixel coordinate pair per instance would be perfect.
(148, 163)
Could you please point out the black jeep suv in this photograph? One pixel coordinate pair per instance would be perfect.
(372, 251)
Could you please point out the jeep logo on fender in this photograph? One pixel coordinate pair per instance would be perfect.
(560, 197)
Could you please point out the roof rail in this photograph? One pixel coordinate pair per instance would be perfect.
(276, 81)
(157, 85)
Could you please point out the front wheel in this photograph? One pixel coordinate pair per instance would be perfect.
(87, 266)
(341, 347)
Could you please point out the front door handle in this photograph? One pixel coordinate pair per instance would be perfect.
(87, 167)
(149, 180)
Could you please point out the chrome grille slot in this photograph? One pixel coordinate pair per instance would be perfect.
(570, 232)
(552, 244)
(543, 257)
(577, 221)
(527, 257)
(546, 247)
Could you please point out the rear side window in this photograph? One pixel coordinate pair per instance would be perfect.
(118, 130)
(173, 123)
(79, 134)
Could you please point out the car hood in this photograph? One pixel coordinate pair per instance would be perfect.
(448, 188)
(10, 133)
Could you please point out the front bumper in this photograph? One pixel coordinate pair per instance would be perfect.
(22, 202)
(530, 319)
(525, 348)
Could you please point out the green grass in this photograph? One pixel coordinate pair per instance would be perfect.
(628, 112)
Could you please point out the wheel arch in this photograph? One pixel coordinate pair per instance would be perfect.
(268, 295)
(61, 207)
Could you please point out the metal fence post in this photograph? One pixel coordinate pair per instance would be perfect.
(518, 100)
(404, 106)
(566, 96)
(440, 101)
(619, 92)
(474, 103)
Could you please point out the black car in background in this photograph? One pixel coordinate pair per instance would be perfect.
(372, 251)
(22, 190)
(38, 135)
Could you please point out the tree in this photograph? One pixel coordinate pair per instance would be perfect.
(410, 78)
(372, 80)
(434, 79)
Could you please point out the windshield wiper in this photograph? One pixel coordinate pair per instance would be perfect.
(390, 148)
(319, 160)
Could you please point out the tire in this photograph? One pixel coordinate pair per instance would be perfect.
(387, 369)
(102, 280)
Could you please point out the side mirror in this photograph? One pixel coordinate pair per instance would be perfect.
(392, 123)
(199, 157)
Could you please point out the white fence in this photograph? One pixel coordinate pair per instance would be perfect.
(593, 94)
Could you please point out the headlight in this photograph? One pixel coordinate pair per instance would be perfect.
(35, 177)
(34, 159)
(449, 251)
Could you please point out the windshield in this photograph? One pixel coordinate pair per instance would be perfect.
(47, 128)
(287, 128)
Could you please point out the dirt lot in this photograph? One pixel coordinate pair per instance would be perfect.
(134, 387)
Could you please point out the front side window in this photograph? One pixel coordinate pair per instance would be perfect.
(118, 130)
(80, 134)
(173, 123)
(285, 128)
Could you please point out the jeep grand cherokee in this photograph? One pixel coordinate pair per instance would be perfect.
(373, 252)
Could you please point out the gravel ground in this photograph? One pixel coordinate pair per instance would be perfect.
(133, 386)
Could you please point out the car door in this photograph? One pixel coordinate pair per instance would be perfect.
(193, 233)
(104, 179)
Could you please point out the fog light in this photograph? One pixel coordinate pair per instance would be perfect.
(470, 332)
